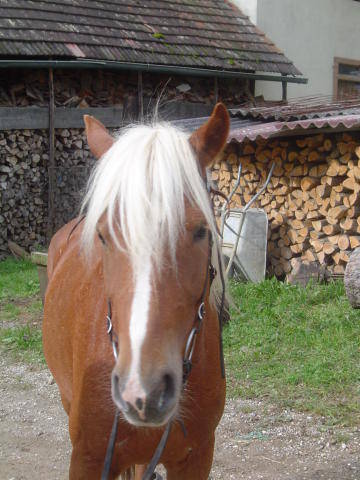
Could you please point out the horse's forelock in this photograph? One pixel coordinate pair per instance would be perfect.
(141, 184)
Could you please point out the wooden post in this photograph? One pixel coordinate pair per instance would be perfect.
(216, 90)
(140, 97)
(51, 162)
(284, 91)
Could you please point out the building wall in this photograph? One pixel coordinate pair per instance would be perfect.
(310, 33)
(248, 7)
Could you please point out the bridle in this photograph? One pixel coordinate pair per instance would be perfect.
(187, 365)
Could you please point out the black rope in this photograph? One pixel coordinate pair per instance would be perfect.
(149, 472)
(110, 448)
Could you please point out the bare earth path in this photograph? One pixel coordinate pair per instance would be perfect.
(254, 441)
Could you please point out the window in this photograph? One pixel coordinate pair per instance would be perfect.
(346, 77)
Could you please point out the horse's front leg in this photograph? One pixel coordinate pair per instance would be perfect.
(84, 466)
(196, 466)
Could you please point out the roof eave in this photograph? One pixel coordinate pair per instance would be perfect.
(145, 67)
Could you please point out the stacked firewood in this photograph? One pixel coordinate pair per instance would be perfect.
(24, 183)
(90, 88)
(312, 200)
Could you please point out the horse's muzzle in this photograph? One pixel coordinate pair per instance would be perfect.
(153, 408)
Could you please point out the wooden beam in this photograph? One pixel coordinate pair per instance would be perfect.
(216, 90)
(37, 118)
(51, 161)
(33, 118)
(284, 91)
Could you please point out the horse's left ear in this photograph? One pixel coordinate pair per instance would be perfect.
(210, 139)
(99, 139)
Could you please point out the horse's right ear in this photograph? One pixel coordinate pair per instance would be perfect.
(99, 139)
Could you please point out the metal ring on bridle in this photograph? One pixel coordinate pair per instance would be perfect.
(109, 324)
(190, 344)
(201, 310)
(115, 352)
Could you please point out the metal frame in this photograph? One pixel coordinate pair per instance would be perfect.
(225, 212)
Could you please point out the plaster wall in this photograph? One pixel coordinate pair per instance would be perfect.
(248, 7)
(310, 33)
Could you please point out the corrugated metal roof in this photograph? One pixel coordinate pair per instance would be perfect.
(301, 108)
(194, 33)
(270, 129)
(191, 124)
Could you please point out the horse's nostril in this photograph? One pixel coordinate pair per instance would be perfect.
(167, 393)
(139, 403)
(117, 394)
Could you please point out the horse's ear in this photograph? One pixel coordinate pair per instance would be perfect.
(99, 139)
(210, 139)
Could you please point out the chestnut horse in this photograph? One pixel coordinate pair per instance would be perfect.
(143, 250)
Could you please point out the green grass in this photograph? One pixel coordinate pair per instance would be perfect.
(20, 310)
(24, 342)
(297, 347)
(18, 279)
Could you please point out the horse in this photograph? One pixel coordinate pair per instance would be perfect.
(136, 262)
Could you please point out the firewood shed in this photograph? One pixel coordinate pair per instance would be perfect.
(312, 201)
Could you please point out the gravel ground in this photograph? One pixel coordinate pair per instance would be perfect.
(254, 441)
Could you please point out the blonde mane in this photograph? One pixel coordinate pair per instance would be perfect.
(141, 184)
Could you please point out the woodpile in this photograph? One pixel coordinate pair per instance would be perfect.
(99, 88)
(24, 183)
(312, 201)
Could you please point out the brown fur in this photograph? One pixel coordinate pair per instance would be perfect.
(79, 355)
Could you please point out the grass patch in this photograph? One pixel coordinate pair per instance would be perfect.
(24, 342)
(9, 311)
(18, 279)
(296, 346)
(20, 310)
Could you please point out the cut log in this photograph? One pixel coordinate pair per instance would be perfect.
(351, 184)
(319, 224)
(343, 242)
(309, 256)
(338, 212)
(329, 248)
(331, 229)
(354, 241)
(348, 224)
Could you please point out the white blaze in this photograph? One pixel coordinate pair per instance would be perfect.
(137, 330)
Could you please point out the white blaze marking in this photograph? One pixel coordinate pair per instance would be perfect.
(137, 330)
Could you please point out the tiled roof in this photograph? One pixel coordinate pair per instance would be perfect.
(191, 33)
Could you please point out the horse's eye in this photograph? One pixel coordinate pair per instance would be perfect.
(102, 240)
(199, 233)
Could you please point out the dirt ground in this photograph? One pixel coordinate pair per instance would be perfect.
(254, 441)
